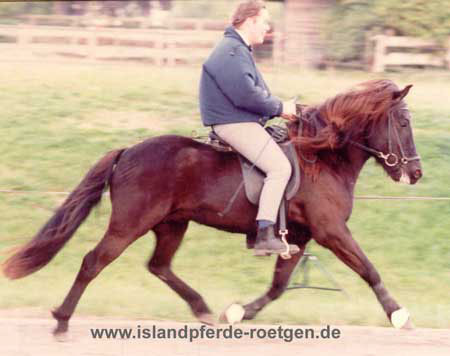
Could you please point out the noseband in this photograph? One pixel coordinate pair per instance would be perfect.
(390, 158)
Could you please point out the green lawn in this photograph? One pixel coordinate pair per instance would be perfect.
(57, 120)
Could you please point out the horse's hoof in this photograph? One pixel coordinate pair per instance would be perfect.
(233, 314)
(60, 332)
(249, 314)
(207, 319)
(62, 326)
(61, 336)
(409, 325)
(400, 319)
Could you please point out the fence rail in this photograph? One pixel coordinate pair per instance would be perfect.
(161, 46)
(403, 51)
(89, 20)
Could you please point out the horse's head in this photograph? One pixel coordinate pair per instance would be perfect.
(372, 117)
(392, 139)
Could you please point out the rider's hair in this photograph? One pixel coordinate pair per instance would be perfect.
(245, 10)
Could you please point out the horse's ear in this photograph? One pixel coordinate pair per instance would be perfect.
(400, 94)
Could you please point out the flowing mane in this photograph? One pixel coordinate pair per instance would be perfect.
(345, 116)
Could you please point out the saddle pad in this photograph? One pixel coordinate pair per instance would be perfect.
(254, 177)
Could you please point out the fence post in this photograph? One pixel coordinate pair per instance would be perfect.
(380, 50)
(170, 51)
(22, 35)
(368, 50)
(91, 42)
(447, 58)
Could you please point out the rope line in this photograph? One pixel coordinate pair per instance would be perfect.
(360, 197)
(380, 197)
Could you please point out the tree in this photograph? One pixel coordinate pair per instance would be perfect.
(349, 22)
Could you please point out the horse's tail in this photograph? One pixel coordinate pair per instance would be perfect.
(66, 220)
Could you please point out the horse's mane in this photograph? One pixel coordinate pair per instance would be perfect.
(347, 114)
(343, 117)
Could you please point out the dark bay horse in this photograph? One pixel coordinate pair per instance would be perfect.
(164, 182)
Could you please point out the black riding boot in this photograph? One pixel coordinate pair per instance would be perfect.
(267, 243)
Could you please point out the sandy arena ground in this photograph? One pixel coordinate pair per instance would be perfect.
(32, 337)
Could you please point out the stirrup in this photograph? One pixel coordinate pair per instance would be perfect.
(284, 252)
(285, 255)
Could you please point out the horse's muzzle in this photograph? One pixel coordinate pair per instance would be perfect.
(414, 172)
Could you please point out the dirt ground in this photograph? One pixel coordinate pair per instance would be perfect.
(21, 336)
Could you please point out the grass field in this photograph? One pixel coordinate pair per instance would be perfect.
(57, 120)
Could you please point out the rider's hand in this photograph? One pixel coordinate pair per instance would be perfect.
(289, 110)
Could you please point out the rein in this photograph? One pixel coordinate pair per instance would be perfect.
(390, 158)
(301, 117)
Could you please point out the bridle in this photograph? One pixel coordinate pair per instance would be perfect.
(390, 158)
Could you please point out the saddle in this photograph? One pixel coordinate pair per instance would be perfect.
(253, 176)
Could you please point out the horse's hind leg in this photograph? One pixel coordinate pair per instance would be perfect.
(281, 275)
(168, 239)
(107, 250)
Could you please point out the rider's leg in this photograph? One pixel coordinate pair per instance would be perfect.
(253, 142)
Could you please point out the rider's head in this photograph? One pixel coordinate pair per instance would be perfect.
(252, 18)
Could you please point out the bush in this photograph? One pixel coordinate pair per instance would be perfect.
(350, 21)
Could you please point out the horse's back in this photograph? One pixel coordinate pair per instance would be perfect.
(171, 144)
(174, 161)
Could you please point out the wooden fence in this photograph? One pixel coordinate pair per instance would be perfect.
(407, 51)
(160, 46)
(89, 20)
(178, 40)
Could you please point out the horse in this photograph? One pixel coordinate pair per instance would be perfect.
(166, 181)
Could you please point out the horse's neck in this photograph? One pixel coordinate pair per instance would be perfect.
(355, 160)
(348, 171)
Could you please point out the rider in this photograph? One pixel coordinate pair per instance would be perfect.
(236, 102)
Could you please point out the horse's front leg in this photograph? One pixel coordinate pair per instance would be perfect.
(281, 275)
(338, 238)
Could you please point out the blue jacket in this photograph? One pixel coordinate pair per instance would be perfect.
(231, 87)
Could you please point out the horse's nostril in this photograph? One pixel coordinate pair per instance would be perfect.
(417, 174)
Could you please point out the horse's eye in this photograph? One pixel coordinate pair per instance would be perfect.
(403, 123)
